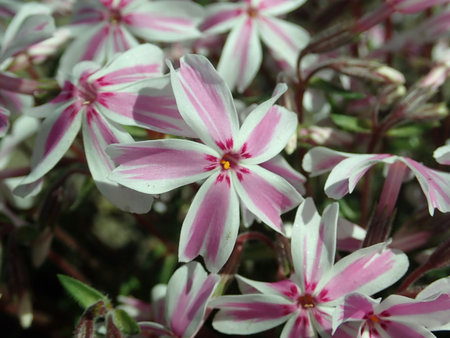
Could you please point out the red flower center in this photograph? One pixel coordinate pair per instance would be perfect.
(307, 301)
(252, 12)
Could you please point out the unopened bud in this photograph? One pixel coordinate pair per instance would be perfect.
(390, 93)
(368, 69)
(430, 111)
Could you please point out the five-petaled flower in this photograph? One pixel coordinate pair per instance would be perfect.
(397, 316)
(308, 298)
(228, 159)
(129, 90)
(250, 20)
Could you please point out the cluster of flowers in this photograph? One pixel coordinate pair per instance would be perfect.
(111, 76)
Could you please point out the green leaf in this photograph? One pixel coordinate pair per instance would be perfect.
(82, 293)
(332, 89)
(125, 323)
(406, 131)
(351, 123)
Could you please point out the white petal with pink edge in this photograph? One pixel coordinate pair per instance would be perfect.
(284, 38)
(313, 243)
(53, 140)
(265, 194)
(241, 56)
(320, 160)
(212, 223)
(278, 7)
(435, 185)
(138, 63)
(247, 314)
(165, 21)
(188, 292)
(366, 270)
(205, 102)
(266, 130)
(155, 167)
(4, 121)
(280, 166)
(221, 17)
(155, 328)
(148, 104)
(438, 287)
(345, 176)
(97, 134)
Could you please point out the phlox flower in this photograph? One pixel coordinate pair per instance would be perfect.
(129, 90)
(397, 316)
(105, 27)
(308, 298)
(180, 307)
(347, 169)
(249, 21)
(229, 159)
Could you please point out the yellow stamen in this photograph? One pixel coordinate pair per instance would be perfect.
(86, 102)
(374, 319)
(225, 164)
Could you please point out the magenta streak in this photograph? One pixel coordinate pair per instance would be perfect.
(165, 24)
(278, 31)
(4, 120)
(267, 4)
(396, 329)
(259, 311)
(263, 133)
(266, 198)
(160, 163)
(163, 115)
(97, 41)
(301, 327)
(286, 287)
(358, 273)
(208, 226)
(317, 266)
(242, 47)
(124, 3)
(183, 315)
(128, 74)
(208, 103)
(328, 163)
(67, 93)
(61, 125)
(221, 17)
(94, 120)
(120, 42)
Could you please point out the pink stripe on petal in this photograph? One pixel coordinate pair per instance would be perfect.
(129, 74)
(207, 229)
(279, 32)
(62, 124)
(360, 272)
(242, 48)
(259, 311)
(163, 24)
(120, 42)
(219, 18)
(441, 303)
(96, 42)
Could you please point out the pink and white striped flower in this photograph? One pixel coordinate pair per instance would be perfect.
(4, 120)
(229, 159)
(347, 169)
(396, 316)
(308, 298)
(181, 307)
(128, 90)
(248, 21)
(106, 27)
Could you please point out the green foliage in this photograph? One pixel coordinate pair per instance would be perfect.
(124, 322)
(82, 293)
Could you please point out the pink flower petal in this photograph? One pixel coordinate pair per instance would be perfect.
(4, 120)
(266, 131)
(154, 167)
(265, 194)
(442, 154)
(211, 224)
(205, 102)
(252, 313)
(299, 325)
(241, 56)
(320, 160)
(277, 7)
(278, 165)
(188, 293)
(97, 134)
(221, 17)
(313, 243)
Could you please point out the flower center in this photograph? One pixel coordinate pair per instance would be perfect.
(225, 164)
(252, 12)
(307, 301)
(115, 16)
(374, 318)
(87, 93)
